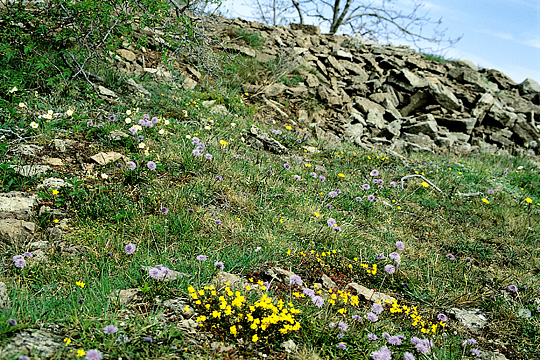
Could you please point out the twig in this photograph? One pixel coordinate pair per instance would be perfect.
(420, 176)
(469, 194)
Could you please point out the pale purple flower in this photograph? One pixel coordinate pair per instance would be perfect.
(468, 259)
(340, 335)
(217, 222)
(93, 355)
(131, 165)
(374, 173)
(381, 256)
(154, 120)
(408, 356)
(491, 191)
(318, 301)
(28, 254)
(450, 257)
(112, 118)
(154, 273)
(148, 339)
(208, 156)
(512, 288)
(394, 256)
(341, 346)
(202, 258)
(394, 340)
(23, 357)
(422, 345)
(322, 178)
(191, 210)
(383, 354)
(195, 141)
(390, 269)
(400, 245)
(342, 326)
(140, 138)
(442, 317)
(371, 198)
(393, 184)
(356, 318)
(287, 166)
(219, 177)
(336, 228)
(308, 292)
(146, 116)
(219, 265)
(372, 336)
(133, 130)
(372, 317)
(130, 248)
(89, 123)
(332, 194)
(475, 352)
(151, 165)
(166, 272)
(380, 187)
(377, 308)
(471, 341)
(297, 177)
(386, 335)
(19, 262)
(110, 329)
(295, 280)
(328, 206)
(196, 152)
(332, 325)
(12, 322)
(366, 187)
(313, 175)
(358, 198)
(331, 222)
(164, 210)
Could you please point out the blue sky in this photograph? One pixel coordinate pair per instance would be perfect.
(497, 34)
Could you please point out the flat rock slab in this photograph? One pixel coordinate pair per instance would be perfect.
(4, 298)
(53, 183)
(17, 205)
(126, 296)
(16, 232)
(40, 343)
(31, 170)
(27, 149)
(371, 295)
(472, 319)
(104, 158)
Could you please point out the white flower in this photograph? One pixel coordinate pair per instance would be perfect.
(50, 112)
(208, 127)
(69, 112)
(185, 113)
(105, 176)
(141, 145)
(128, 121)
(137, 110)
(36, 94)
(188, 136)
(166, 122)
(13, 90)
(47, 116)
(161, 131)
(33, 125)
(233, 124)
(22, 105)
(128, 112)
(137, 127)
(146, 152)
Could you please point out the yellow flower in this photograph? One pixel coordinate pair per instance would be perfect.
(288, 127)
(80, 283)
(223, 143)
(247, 94)
(80, 353)
(67, 341)
(424, 184)
(529, 200)
(55, 192)
(56, 221)
(233, 330)
(288, 251)
(308, 165)
(255, 338)
(316, 214)
(485, 200)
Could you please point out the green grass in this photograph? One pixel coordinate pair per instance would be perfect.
(268, 219)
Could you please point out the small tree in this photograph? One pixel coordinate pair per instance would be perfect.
(379, 20)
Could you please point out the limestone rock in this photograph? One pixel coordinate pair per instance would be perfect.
(327, 282)
(417, 101)
(189, 83)
(60, 145)
(104, 158)
(274, 89)
(54, 162)
(306, 29)
(135, 86)
(117, 135)
(492, 355)
(428, 127)
(16, 232)
(222, 278)
(53, 183)
(472, 319)
(18, 205)
(529, 86)
(26, 149)
(125, 297)
(289, 346)
(127, 54)
(280, 274)
(177, 305)
(31, 170)
(407, 80)
(4, 298)
(445, 97)
(266, 142)
(482, 106)
(458, 125)
(371, 295)
(220, 110)
(36, 342)
(160, 74)
(106, 92)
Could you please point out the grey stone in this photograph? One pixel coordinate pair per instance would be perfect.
(178, 305)
(189, 83)
(355, 69)
(419, 100)
(375, 118)
(275, 89)
(492, 355)
(106, 92)
(340, 54)
(336, 65)
(18, 205)
(525, 131)
(419, 139)
(364, 105)
(266, 141)
(222, 278)
(39, 257)
(468, 63)
(160, 74)
(280, 274)
(135, 86)
(16, 232)
(117, 135)
(60, 145)
(354, 131)
(370, 295)
(289, 346)
(445, 97)
(34, 342)
(53, 183)
(482, 106)
(4, 298)
(31, 170)
(104, 158)
(485, 148)
(529, 86)
(125, 297)
(501, 117)
(312, 81)
(472, 319)
(327, 282)
(127, 54)
(27, 149)
(458, 125)
(428, 127)
(407, 80)
(41, 245)
(502, 137)
(306, 28)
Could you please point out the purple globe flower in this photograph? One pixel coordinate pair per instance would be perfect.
(12, 322)
(336, 228)
(408, 356)
(366, 187)
(332, 194)
(393, 184)
(196, 152)
(297, 177)
(372, 317)
(358, 198)
(390, 269)
(381, 256)
(322, 178)
(154, 120)
(148, 339)
(394, 340)
(383, 354)
(450, 257)
(219, 178)
(471, 341)
(442, 317)
(219, 265)
(400, 245)
(151, 165)
(341, 346)
(313, 175)
(342, 326)
(90, 124)
(372, 336)
(110, 329)
(371, 197)
(374, 173)
(217, 221)
(491, 191)
(19, 262)
(475, 352)
(164, 210)
(130, 248)
(93, 355)
(377, 308)
(287, 166)
(295, 280)
(131, 165)
(140, 138)
(154, 273)
(394, 256)
(208, 156)
(112, 118)
(331, 222)
(513, 288)
(202, 258)
(146, 116)
(308, 292)
(318, 301)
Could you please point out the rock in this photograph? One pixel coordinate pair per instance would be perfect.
(529, 86)
(336, 65)
(468, 63)
(267, 142)
(458, 125)
(327, 282)
(375, 118)
(39, 257)
(117, 135)
(125, 297)
(31, 170)
(220, 110)
(502, 137)
(419, 139)
(175, 275)
(189, 83)
(407, 80)
(16, 232)
(472, 319)
(500, 117)
(274, 89)
(525, 131)
(497, 77)
(18, 205)
(178, 305)
(371, 295)
(244, 50)
(53, 183)
(34, 342)
(428, 127)
(280, 274)
(136, 87)
(27, 149)
(60, 145)
(306, 29)
(41, 245)
(312, 81)
(445, 97)
(54, 162)
(492, 355)
(364, 105)
(4, 298)
(221, 279)
(103, 158)
(127, 55)
(160, 74)
(289, 346)
(482, 106)
(106, 92)
(417, 101)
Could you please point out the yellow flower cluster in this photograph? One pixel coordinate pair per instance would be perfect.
(327, 259)
(426, 326)
(228, 311)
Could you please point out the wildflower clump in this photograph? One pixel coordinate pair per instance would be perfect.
(247, 314)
